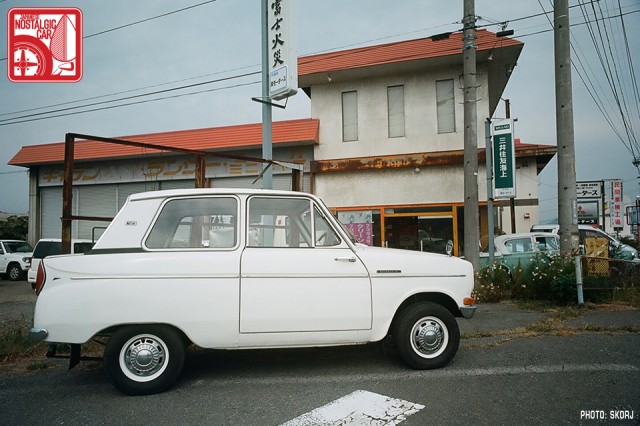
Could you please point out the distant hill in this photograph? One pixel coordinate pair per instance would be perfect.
(4, 215)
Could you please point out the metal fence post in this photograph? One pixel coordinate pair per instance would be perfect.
(579, 281)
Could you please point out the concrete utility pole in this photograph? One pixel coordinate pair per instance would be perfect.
(567, 197)
(471, 209)
(267, 146)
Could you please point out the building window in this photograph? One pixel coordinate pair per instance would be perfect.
(446, 106)
(350, 116)
(395, 106)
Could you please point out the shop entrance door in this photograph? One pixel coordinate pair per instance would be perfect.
(421, 232)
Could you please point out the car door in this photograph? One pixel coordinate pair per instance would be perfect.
(297, 274)
(518, 251)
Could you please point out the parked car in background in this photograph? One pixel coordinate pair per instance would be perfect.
(518, 249)
(53, 247)
(15, 258)
(617, 249)
(243, 269)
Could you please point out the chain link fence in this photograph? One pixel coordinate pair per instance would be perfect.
(602, 273)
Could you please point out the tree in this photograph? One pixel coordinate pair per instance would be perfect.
(14, 227)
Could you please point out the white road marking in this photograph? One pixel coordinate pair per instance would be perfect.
(436, 374)
(359, 408)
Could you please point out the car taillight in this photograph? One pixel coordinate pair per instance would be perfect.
(40, 278)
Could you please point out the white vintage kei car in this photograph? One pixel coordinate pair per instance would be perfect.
(239, 269)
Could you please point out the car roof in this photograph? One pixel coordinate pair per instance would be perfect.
(525, 235)
(213, 191)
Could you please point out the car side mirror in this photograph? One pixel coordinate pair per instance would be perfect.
(449, 248)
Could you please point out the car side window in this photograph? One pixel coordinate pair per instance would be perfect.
(191, 223)
(324, 233)
(288, 222)
(547, 243)
(520, 245)
(279, 222)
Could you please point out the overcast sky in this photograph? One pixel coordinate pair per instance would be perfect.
(221, 39)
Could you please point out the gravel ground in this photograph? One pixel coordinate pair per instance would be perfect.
(16, 303)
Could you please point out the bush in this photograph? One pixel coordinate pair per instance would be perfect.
(14, 227)
(546, 277)
(492, 284)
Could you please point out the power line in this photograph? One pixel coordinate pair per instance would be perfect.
(13, 120)
(132, 103)
(130, 24)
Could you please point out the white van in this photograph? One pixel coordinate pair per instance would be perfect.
(625, 251)
(52, 247)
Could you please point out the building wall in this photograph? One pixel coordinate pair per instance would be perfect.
(440, 184)
(421, 133)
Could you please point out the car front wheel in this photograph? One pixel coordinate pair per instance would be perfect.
(14, 272)
(144, 359)
(426, 336)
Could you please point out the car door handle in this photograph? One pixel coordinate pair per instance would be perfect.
(346, 258)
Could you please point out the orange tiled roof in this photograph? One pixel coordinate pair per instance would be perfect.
(304, 131)
(401, 51)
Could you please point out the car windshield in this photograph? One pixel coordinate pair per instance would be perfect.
(18, 247)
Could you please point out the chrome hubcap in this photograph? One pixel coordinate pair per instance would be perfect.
(429, 337)
(144, 356)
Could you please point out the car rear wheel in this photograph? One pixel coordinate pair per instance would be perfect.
(144, 359)
(426, 335)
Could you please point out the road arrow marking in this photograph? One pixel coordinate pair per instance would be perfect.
(359, 408)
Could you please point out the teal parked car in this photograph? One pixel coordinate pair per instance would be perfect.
(514, 249)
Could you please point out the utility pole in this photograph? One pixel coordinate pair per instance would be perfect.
(267, 146)
(567, 198)
(471, 209)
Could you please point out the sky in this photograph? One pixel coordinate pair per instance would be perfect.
(220, 40)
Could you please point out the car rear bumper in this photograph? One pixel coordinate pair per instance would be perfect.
(37, 334)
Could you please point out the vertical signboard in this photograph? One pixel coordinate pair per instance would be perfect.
(615, 205)
(504, 159)
(283, 62)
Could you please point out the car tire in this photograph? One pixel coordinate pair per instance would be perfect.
(144, 359)
(14, 272)
(426, 336)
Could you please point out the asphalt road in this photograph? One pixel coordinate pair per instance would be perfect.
(501, 375)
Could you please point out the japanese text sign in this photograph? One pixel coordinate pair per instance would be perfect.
(283, 62)
(504, 159)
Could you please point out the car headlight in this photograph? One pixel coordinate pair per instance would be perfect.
(26, 260)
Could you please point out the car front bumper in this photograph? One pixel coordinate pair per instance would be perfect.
(468, 311)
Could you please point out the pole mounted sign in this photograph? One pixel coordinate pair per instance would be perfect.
(283, 62)
(615, 204)
(504, 159)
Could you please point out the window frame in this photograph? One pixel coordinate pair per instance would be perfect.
(162, 207)
(440, 109)
(389, 112)
(355, 113)
(306, 233)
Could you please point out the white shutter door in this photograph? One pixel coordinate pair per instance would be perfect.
(95, 200)
(51, 212)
